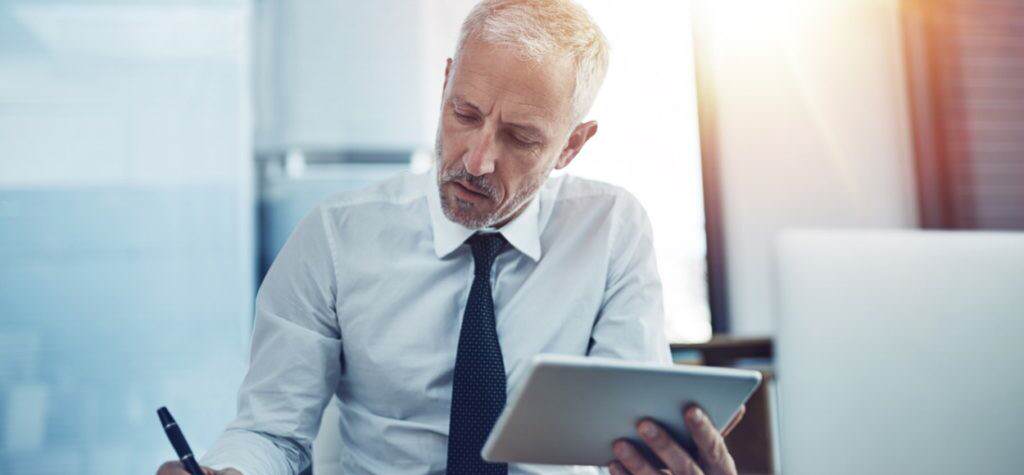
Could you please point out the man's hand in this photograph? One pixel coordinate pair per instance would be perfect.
(714, 455)
(174, 467)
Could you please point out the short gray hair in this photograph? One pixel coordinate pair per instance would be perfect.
(538, 28)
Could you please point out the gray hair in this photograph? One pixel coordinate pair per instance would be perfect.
(535, 29)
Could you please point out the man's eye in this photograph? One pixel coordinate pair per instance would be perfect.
(465, 118)
(522, 143)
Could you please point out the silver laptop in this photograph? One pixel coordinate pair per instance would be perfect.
(901, 352)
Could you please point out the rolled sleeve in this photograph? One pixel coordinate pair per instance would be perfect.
(294, 363)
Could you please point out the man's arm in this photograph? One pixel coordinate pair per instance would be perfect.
(294, 363)
(631, 326)
(631, 322)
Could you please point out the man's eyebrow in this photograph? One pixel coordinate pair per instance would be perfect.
(459, 101)
(532, 131)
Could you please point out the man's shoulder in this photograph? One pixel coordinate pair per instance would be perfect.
(400, 190)
(571, 188)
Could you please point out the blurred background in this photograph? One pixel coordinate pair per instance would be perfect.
(155, 154)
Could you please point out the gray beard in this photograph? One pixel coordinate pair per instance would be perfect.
(460, 211)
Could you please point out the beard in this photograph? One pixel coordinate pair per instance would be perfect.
(470, 214)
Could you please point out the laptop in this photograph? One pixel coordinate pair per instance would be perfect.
(901, 352)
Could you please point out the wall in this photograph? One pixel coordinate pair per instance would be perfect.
(811, 129)
(352, 75)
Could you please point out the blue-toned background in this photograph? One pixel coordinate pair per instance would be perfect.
(137, 217)
(126, 228)
(115, 301)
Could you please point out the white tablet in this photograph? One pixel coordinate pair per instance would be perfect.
(568, 410)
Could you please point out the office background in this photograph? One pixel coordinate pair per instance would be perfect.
(154, 155)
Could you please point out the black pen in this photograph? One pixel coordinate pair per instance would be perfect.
(178, 441)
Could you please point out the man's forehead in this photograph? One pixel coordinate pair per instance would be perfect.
(515, 97)
(489, 75)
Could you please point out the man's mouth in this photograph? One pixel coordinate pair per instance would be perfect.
(469, 191)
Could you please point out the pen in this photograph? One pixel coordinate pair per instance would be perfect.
(178, 441)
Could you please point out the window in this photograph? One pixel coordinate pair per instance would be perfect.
(965, 64)
(648, 142)
(126, 278)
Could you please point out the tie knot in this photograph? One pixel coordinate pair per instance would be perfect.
(485, 248)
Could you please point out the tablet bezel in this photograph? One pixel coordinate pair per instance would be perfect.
(502, 446)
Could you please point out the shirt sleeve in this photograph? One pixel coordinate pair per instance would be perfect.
(294, 364)
(630, 324)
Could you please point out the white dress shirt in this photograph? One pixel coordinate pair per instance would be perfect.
(365, 302)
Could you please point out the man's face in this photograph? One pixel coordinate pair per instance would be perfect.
(503, 128)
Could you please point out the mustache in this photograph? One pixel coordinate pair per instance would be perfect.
(478, 182)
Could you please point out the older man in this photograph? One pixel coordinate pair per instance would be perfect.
(414, 301)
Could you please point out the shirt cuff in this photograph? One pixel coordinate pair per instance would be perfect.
(248, 452)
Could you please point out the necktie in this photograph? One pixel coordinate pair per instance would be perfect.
(478, 387)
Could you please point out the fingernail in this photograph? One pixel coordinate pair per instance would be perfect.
(647, 429)
(696, 416)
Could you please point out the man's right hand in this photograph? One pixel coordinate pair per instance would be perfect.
(174, 467)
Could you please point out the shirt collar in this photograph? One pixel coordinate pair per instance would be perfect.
(523, 232)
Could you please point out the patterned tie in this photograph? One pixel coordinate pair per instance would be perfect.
(478, 388)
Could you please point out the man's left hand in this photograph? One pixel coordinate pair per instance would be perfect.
(714, 456)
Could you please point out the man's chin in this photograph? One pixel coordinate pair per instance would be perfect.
(464, 213)
(468, 221)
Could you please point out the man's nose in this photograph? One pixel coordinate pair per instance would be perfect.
(479, 159)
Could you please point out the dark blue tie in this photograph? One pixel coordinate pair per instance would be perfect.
(478, 387)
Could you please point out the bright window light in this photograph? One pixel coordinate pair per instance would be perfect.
(648, 142)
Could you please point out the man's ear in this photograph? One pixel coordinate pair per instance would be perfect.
(447, 74)
(579, 136)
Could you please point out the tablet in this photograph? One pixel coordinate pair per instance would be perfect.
(568, 410)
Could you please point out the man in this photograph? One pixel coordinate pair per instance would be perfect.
(417, 301)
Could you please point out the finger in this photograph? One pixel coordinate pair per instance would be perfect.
(675, 458)
(631, 459)
(735, 420)
(709, 442)
(172, 467)
(616, 468)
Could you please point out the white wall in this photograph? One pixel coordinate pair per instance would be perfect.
(812, 129)
(352, 74)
